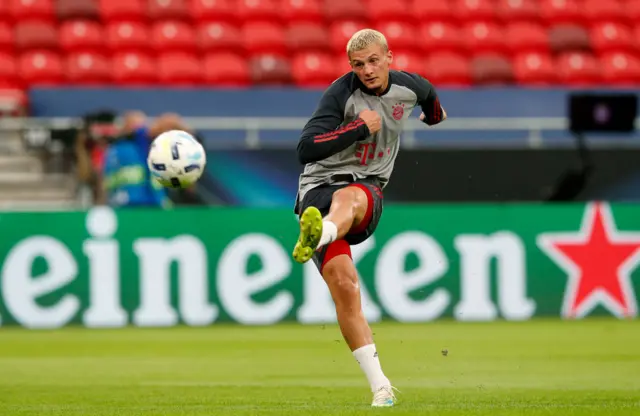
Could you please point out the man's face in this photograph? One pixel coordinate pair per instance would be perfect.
(371, 65)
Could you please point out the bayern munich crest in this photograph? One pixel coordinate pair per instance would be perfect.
(398, 111)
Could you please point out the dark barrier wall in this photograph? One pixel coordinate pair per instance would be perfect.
(269, 177)
(283, 102)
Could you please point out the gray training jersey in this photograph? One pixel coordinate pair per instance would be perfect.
(336, 146)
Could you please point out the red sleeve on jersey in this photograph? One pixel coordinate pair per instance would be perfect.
(324, 135)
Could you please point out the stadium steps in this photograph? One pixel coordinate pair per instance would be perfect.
(11, 144)
(33, 180)
(23, 183)
(29, 190)
(36, 203)
(20, 164)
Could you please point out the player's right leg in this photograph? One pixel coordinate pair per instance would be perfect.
(348, 209)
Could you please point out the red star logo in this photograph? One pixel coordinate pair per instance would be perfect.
(599, 261)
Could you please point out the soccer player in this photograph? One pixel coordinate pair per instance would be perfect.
(349, 147)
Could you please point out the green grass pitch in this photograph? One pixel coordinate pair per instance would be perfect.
(540, 367)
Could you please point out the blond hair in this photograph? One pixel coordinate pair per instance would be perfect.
(365, 38)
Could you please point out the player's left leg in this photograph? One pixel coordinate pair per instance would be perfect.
(339, 272)
(354, 211)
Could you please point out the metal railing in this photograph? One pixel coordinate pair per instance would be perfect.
(252, 126)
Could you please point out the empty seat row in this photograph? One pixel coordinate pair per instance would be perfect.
(267, 37)
(407, 10)
(310, 69)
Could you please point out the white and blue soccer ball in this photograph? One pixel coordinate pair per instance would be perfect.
(176, 159)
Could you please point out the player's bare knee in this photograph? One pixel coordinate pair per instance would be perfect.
(343, 284)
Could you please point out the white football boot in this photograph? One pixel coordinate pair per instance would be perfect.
(384, 397)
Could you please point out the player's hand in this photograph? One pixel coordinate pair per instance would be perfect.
(372, 120)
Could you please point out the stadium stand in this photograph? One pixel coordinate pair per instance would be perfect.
(457, 43)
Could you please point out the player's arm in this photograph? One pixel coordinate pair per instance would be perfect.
(429, 102)
(323, 135)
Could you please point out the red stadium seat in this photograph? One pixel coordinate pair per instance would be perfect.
(5, 14)
(8, 69)
(621, 69)
(560, 11)
(117, 10)
(270, 70)
(474, 10)
(440, 36)
(432, 10)
(88, 68)
(77, 9)
(341, 32)
(569, 38)
(386, 10)
(534, 69)
(214, 10)
(35, 35)
(484, 37)
(335, 10)
(178, 68)
(40, 68)
(313, 69)
(134, 69)
(407, 61)
(31, 9)
(400, 36)
(300, 11)
(342, 65)
(612, 37)
(526, 37)
(220, 37)
(127, 36)
(491, 69)
(511, 11)
(168, 10)
(577, 68)
(226, 69)
(6, 84)
(632, 11)
(307, 37)
(446, 68)
(264, 37)
(81, 35)
(6, 37)
(258, 10)
(173, 35)
(603, 11)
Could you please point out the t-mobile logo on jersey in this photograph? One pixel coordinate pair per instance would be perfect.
(366, 151)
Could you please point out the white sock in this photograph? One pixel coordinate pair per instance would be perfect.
(329, 233)
(367, 357)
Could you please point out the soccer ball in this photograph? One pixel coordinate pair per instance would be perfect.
(176, 159)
